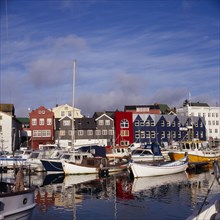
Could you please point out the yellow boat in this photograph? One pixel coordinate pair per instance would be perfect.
(197, 152)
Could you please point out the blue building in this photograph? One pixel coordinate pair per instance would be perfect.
(166, 128)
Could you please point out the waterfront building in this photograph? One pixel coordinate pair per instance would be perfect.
(123, 128)
(41, 126)
(211, 116)
(147, 128)
(105, 130)
(10, 129)
(61, 111)
(150, 128)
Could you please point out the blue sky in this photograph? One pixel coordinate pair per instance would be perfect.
(127, 52)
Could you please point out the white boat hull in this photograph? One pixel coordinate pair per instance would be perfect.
(72, 168)
(16, 202)
(142, 170)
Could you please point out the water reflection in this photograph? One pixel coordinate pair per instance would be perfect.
(120, 197)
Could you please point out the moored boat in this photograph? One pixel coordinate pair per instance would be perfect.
(150, 153)
(142, 170)
(197, 152)
(16, 198)
(98, 165)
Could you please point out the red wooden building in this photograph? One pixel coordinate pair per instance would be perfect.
(42, 127)
(124, 134)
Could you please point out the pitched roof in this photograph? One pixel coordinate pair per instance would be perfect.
(24, 120)
(9, 108)
(108, 113)
(199, 104)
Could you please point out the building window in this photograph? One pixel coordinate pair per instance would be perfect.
(163, 134)
(41, 122)
(107, 122)
(179, 134)
(216, 131)
(124, 133)
(62, 113)
(49, 121)
(110, 132)
(80, 132)
(196, 124)
(173, 124)
(44, 133)
(35, 133)
(142, 134)
(66, 122)
(142, 123)
(168, 134)
(69, 113)
(168, 123)
(137, 134)
(104, 132)
(136, 123)
(152, 134)
(152, 123)
(216, 115)
(201, 125)
(124, 123)
(34, 121)
(162, 123)
(97, 132)
(48, 133)
(173, 134)
(201, 134)
(147, 123)
(213, 122)
(147, 134)
(210, 131)
(197, 134)
(203, 115)
(101, 122)
(217, 122)
(89, 132)
(62, 132)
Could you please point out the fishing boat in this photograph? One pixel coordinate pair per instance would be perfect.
(119, 152)
(16, 199)
(98, 165)
(197, 151)
(142, 170)
(150, 153)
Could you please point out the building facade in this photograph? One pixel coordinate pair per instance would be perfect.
(124, 132)
(150, 128)
(42, 127)
(211, 116)
(10, 132)
(61, 111)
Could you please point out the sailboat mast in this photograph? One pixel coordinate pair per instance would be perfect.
(73, 101)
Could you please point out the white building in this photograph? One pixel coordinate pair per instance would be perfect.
(5, 132)
(210, 114)
(66, 110)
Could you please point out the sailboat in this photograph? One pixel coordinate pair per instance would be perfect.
(90, 165)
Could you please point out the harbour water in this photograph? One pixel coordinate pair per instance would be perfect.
(120, 196)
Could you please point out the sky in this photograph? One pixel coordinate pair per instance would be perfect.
(136, 52)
